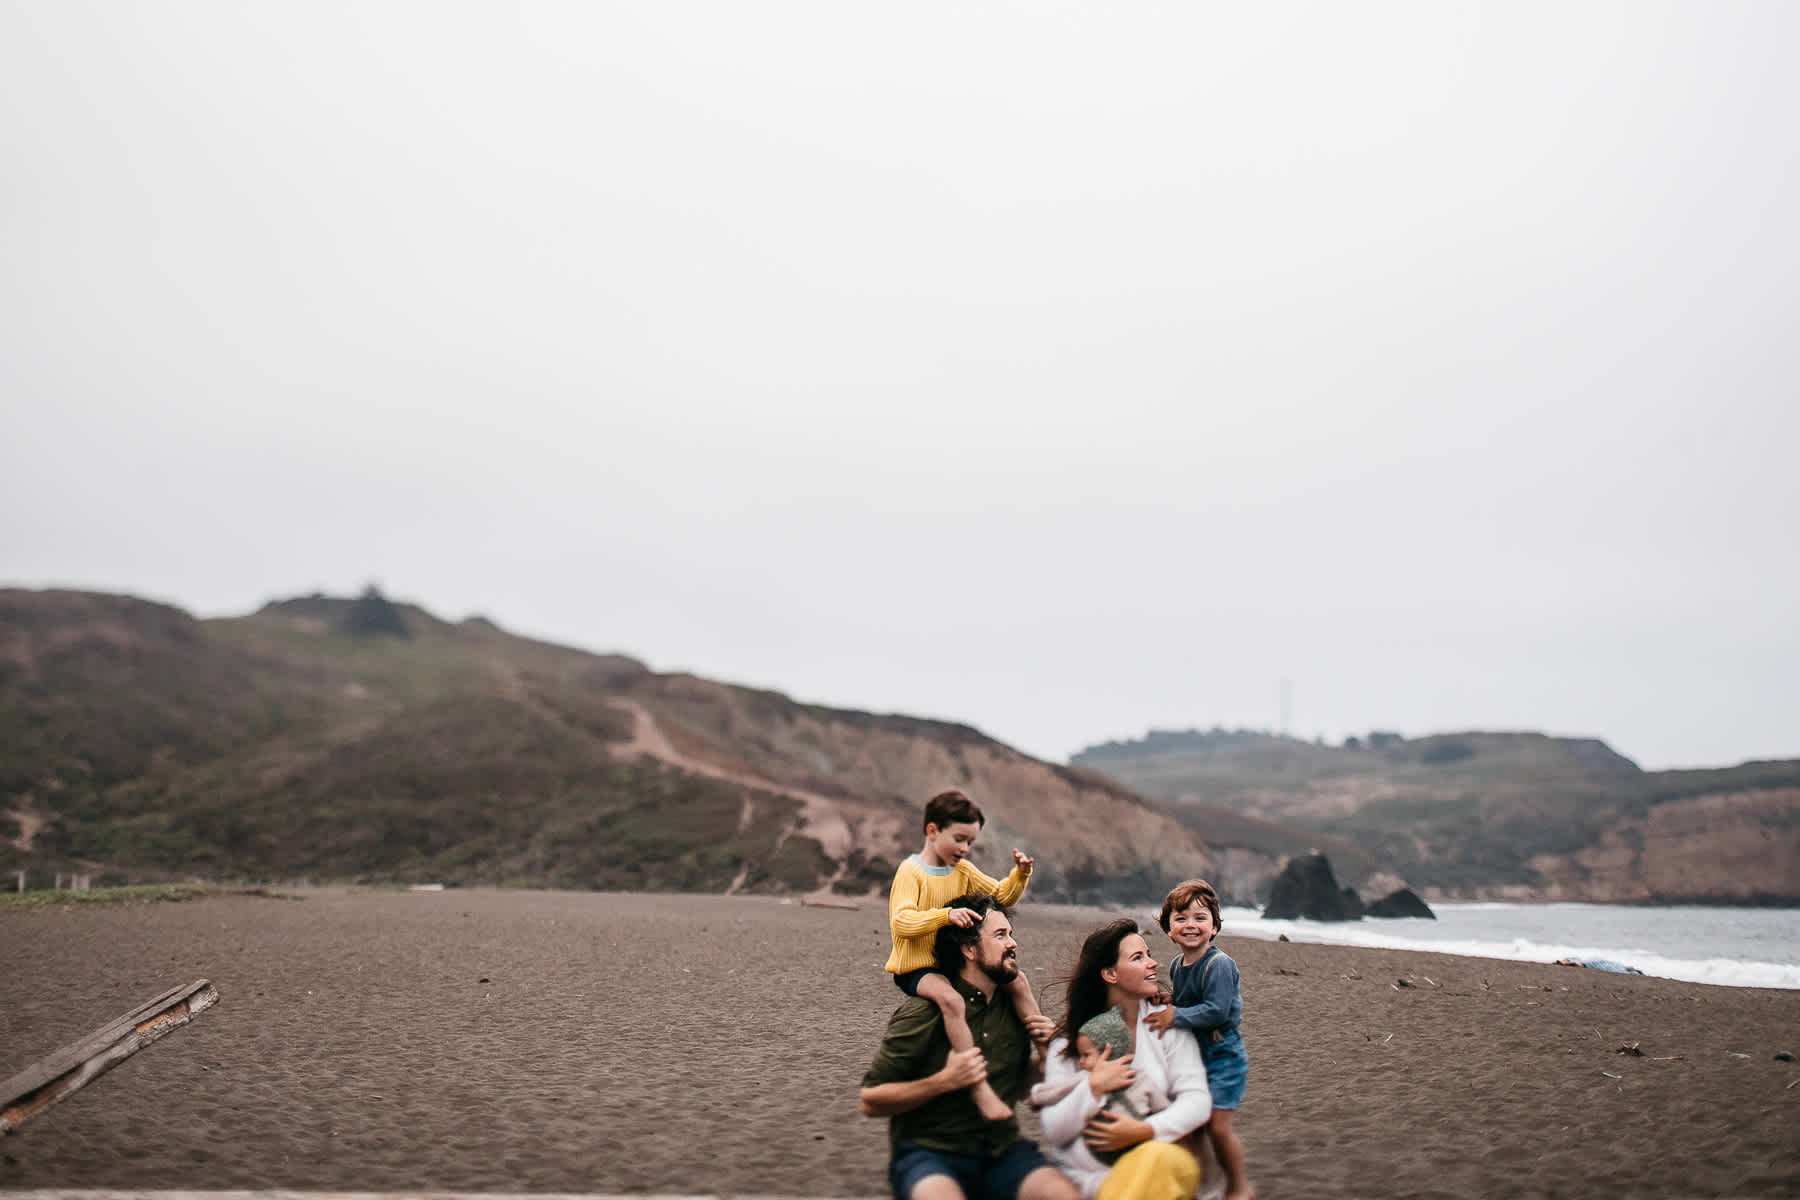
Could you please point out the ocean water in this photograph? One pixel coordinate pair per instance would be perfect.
(1734, 947)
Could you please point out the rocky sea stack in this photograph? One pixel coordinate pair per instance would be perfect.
(1307, 888)
(1402, 903)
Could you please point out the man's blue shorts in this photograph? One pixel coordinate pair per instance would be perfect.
(979, 1177)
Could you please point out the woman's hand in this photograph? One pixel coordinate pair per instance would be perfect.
(1114, 1131)
(1109, 1075)
(1161, 1020)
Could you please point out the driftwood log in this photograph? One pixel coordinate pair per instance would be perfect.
(44, 1083)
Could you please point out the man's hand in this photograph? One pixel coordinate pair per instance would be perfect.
(963, 1069)
(1162, 1019)
(1110, 1074)
(1040, 1027)
(1114, 1131)
(1022, 861)
(961, 916)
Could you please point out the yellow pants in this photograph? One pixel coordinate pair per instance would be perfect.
(1152, 1171)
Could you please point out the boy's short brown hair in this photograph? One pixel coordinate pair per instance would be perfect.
(947, 808)
(1184, 894)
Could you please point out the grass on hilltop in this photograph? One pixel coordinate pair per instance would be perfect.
(137, 893)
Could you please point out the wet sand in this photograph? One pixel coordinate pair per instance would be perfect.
(576, 1042)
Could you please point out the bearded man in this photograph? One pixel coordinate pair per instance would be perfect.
(942, 1148)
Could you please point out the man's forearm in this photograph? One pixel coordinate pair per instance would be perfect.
(891, 1099)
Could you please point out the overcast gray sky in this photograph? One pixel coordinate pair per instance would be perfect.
(1066, 370)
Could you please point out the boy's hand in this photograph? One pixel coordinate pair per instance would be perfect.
(961, 916)
(1022, 861)
(1161, 1020)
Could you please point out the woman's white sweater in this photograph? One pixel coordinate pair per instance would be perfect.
(1169, 1071)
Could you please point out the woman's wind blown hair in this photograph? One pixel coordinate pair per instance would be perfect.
(1086, 990)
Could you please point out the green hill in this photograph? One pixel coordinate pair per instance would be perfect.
(355, 739)
(359, 740)
(1483, 814)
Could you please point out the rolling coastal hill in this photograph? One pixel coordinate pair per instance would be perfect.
(1491, 815)
(360, 740)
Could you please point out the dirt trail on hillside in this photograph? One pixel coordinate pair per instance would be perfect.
(822, 819)
(29, 824)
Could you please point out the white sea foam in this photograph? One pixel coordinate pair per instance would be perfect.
(1690, 944)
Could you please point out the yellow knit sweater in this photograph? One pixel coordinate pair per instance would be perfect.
(916, 905)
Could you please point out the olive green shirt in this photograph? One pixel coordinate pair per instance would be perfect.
(916, 1046)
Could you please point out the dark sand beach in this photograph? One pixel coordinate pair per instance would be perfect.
(574, 1042)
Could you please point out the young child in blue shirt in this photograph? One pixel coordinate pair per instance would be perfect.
(1204, 981)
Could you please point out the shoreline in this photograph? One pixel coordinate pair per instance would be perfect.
(1752, 948)
(1389, 933)
(626, 1043)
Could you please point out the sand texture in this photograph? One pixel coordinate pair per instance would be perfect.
(564, 1042)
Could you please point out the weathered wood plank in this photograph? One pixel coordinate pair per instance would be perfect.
(50, 1079)
(290, 1194)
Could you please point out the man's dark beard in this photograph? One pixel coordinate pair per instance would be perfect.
(1002, 972)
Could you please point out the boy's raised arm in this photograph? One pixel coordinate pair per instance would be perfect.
(1013, 887)
(1007, 891)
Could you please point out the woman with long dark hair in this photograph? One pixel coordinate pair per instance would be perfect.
(1112, 1155)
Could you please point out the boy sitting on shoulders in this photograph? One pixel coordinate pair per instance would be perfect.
(923, 886)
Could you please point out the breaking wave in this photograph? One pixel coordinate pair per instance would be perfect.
(1727, 947)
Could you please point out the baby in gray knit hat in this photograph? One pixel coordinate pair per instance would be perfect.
(1101, 1032)
(1098, 1034)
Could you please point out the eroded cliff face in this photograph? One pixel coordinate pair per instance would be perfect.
(1087, 835)
(1726, 847)
(865, 779)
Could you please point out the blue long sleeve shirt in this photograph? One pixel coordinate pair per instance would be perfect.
(1206, 999)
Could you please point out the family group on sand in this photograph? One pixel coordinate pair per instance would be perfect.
(1135, 1089)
